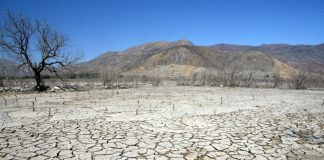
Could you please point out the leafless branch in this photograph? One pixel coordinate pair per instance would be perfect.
(16, 39)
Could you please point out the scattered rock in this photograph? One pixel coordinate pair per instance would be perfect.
(55, 89)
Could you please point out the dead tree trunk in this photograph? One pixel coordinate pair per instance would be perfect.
(39, 84)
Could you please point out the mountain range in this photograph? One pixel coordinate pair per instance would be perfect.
(183, 58)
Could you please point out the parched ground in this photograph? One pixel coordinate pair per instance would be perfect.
(164, 123)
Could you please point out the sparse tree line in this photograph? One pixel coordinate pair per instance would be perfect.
(113, 78)
(301, 80)
(108, 78)
(304, 80)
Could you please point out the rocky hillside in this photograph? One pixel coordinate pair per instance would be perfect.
(303, 57)
(128, 58)
(183, 58)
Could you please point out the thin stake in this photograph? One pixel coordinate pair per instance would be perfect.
(33, 106)
(5, 101)
(221, 100)
(49, 111)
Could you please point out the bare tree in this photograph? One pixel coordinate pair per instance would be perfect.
(110, 76)
(299, 80)
(19, 34)
(233, 78)
(277, 79)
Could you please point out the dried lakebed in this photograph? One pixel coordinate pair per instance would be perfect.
(164, 123)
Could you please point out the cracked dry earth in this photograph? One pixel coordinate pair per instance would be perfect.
(164, 123)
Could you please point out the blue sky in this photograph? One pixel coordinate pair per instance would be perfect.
(96, 26)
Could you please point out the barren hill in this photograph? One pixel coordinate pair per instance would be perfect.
(183, 58)
(126, 59)
(304, 57)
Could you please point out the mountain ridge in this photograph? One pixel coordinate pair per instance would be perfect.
(184, 55)
(304, 57)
